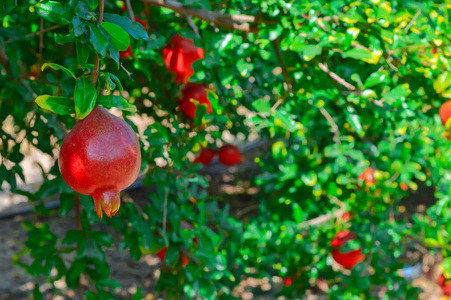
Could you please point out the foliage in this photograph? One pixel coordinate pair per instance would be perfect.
(331, 87)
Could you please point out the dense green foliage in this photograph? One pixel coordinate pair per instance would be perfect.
(332, 87)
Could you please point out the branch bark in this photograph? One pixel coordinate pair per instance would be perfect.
(335, 77)
(95, 71)
(234, 22)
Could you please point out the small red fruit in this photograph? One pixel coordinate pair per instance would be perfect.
(404, 186)
(368, 176)
(445, 285)
(100, 157)
(346, 216)
(229, 155)
(126, 54)
(197, 92)
(205, 156)
(144, 23)
(433, 51)
(445, 111)
(348, 259)
(179, 55)
(288, 281)
(35, 70)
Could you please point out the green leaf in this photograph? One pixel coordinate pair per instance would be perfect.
(398, 93)
(138, 295)
(115, 101)
(82, 10)
(118, 36)
(82, 53)
(442, 82)
(262, 106)
(298, 214)
(357, 53)
(375, 78)
(98, 40)
(58, 67)
(52, 11)
(66, 204)
(85, 96)
(287, 122)
(310, 51)
(201, 111)
(245, 68)
(117, 81)
(135, 29)
(63, 39)
(79, 26)
(58, 105)
(114, 53)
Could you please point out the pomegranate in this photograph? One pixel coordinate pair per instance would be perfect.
(229, 155)
(433, 51)
(205, 156)
(346, 216)
(368, 176)
(35, 70)
(404, 186)
(445, 112)
(445, 285)
(126, 54)
(348, 259)
(197, 92)
(179, 55)
(288, 281)
(144, 23)
(100, 157)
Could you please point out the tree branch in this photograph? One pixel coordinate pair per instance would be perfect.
(325, 218)
(95, 71)
(335, 77)
(275, 44)
(38, 32)
(235, 22)
(131, 14)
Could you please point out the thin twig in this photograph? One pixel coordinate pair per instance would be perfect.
(38, 32)
(41, 38)
(325, 218)
(335, 77)
(165, 211)
(28, 87)
(193, 26)
(275, 44)
(131, 14)
(77, 207)
(95, 70)
(334, 127)
(412, 21)
(236, 22)
(126, 71)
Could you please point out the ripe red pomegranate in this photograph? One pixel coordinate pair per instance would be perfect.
(445, 112)
(348, 259)
(404, 186)
(229, 155)
(445, 285)
(368, 176)
(179, 55)
(205, 156)
(433, 51)
(100, 157)
(197, 92)
(346, 216)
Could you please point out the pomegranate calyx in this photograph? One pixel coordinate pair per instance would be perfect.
(108, 202)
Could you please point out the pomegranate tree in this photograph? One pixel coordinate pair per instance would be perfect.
(100, 157)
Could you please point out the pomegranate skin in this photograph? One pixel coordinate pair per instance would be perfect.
(445, 285)
(100, 157)
(445, 112)
(349, 259)
(179, 55)
(229, 155)
(205, 156)
(197, 92)
(368, 176)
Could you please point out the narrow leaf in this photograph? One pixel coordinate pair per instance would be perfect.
(85, 96)
(116, 101)
(58, 67)
(58, 105)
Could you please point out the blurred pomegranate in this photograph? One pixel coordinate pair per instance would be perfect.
(445, 112)
(288, 281)
(35, 70)
(205, 156)
(348, 259)
(100, 157)
(126, 54)
(445, 285)
(179, 55)
(230, 155)
(368, 176)
(197, 92)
